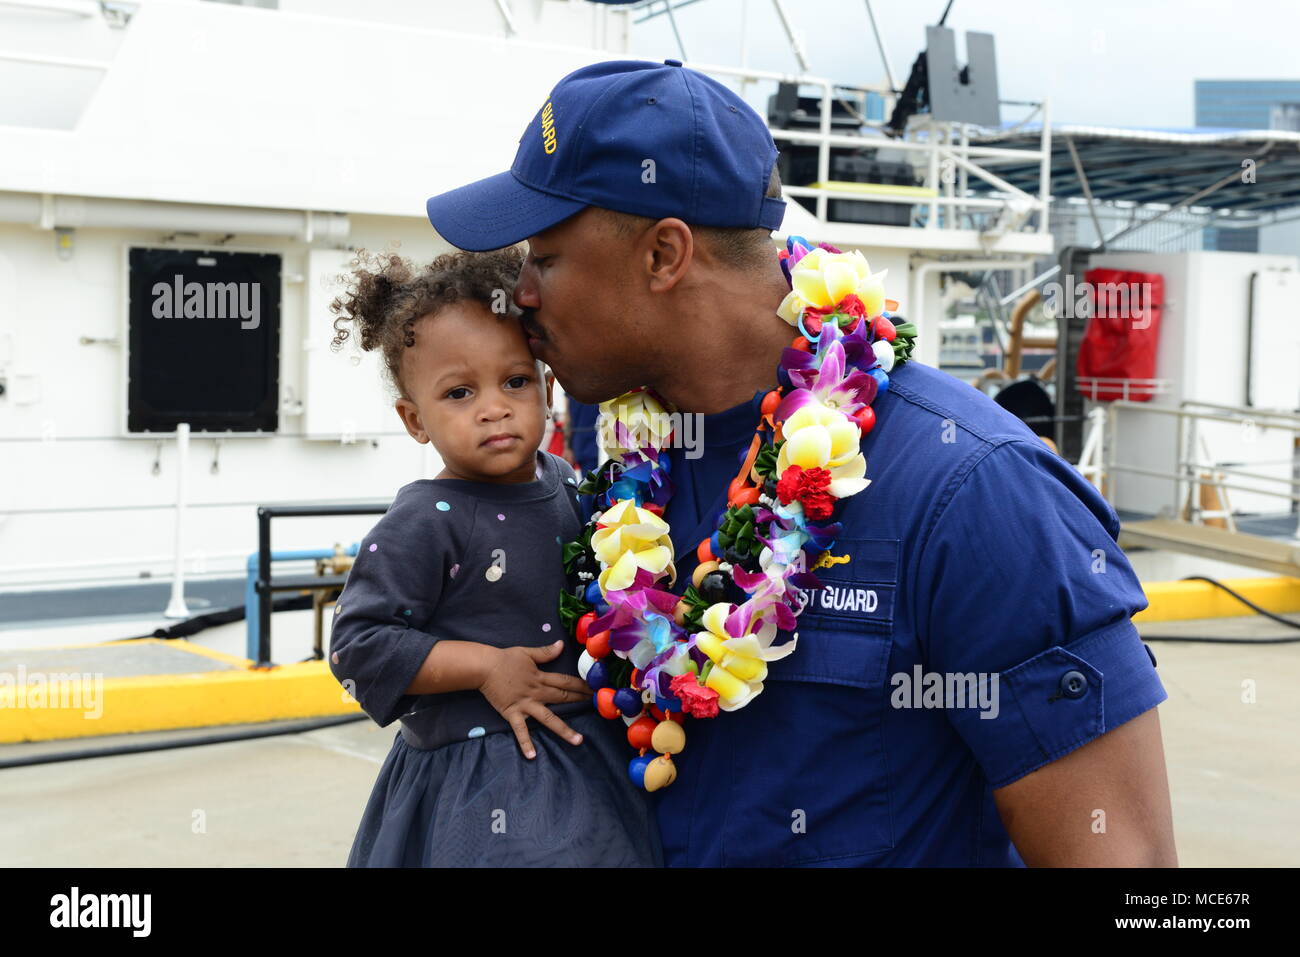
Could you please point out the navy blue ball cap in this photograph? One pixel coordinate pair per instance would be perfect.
(632, 136)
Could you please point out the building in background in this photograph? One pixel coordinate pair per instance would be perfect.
(1245, 105)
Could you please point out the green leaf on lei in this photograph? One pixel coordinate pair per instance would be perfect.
(765, 461)
(737, 530)
(903, 341)
(571, 609)
(595, 481)
(698, 606)
(579, 546)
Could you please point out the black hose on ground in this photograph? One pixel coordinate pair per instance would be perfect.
(1209, 640)
(222, 616)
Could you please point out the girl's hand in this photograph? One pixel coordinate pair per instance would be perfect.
(518, 689)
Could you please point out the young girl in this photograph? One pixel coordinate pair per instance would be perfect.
(449, 621)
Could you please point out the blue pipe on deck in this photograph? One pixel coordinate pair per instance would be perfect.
(252, 601)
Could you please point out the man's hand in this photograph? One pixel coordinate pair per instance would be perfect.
(518, 689)
(1051, 814)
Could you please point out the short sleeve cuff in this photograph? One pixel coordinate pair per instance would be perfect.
(1059, 699)
(400, 668)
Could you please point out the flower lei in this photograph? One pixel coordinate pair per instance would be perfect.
(653, 657)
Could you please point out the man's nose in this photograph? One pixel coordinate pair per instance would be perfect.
(525, 295)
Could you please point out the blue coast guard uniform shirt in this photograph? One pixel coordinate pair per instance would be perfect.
(976, 550)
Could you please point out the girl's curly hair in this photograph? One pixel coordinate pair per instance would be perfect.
(386, 294)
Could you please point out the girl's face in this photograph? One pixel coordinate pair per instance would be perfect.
(475, 393)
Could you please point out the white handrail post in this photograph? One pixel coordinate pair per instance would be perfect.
(1102, 417)
(1109, 479)
(176, 606)
(1091, 465)
(1180, 469)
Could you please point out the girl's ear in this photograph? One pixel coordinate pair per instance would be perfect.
(549, 379)
(409, 413)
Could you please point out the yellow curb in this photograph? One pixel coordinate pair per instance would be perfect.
(1180, 601)
(77, 709)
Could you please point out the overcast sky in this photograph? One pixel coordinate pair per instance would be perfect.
(1107, 62)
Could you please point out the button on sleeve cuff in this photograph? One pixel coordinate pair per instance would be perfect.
(1059, 699)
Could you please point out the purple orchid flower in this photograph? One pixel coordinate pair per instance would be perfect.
(788, 517)
(657, 675)
(823, 379)
(825, 373)
(797, 252)
(771, 594)
(747, 580)
(858, 353)
(786, 521)
(630, 609)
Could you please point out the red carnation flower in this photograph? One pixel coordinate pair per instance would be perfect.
(817, 505)
(697, 700)
(813, 486)
(787, 489)
(809, 487)
(816, 479)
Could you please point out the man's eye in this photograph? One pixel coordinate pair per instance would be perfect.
(453, 394)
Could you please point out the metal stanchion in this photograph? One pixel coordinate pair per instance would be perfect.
(176, 606)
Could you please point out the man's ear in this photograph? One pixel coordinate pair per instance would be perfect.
(409, 413)
(668, 248)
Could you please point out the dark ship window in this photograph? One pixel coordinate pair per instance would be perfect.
(203, 340)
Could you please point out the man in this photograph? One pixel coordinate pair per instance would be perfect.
(648, 194)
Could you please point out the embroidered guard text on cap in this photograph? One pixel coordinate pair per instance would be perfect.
(632, 136)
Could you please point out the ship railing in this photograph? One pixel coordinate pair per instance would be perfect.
(1193, 467)
(948, 160)
(1129, 389)
(262, 585)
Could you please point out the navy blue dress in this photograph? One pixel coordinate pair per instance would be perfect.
(474, 561)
